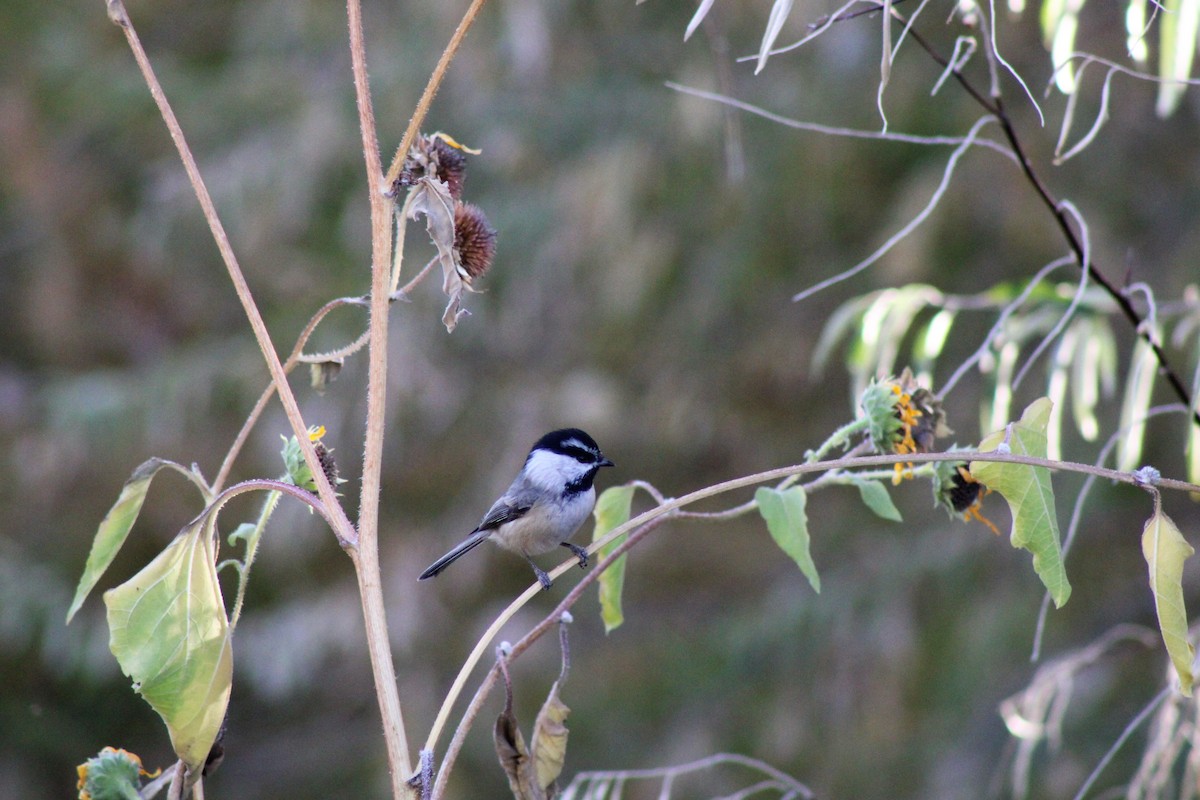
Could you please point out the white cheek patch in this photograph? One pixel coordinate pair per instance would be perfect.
(551, 471)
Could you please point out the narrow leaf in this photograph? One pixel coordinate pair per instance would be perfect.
(1193, 456)
(1029, 496)
(1139, 387)
(697, 18)
(1176, 49)
(1165, 550)
(550, 738)
(875, 496)
(169, 632)
(788, 523)
(612, 511)
(115, 527)
(780, 10)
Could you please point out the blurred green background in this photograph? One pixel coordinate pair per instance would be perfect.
(649, 245)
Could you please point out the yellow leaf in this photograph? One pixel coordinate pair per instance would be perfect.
(550, 738)
(1165, 550)
(170, 634)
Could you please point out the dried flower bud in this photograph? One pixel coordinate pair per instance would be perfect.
(436, 156)
(474, 240)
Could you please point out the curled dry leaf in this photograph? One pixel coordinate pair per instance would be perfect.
(430, 197)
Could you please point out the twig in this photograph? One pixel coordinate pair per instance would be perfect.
(996, 107)
(297, 355)
(638, 527)
(431, 88)
(337, 516)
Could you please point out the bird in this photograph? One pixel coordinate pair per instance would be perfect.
(549, 499)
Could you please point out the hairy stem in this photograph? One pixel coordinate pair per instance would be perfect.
(365, 554)
(337, 516)
(431, 88)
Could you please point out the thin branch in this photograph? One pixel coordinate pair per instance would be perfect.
(296, 355)
(829, 130)
(638, 527)
(1062, 218)
(336, 514)
(912, 224)
(431, 88)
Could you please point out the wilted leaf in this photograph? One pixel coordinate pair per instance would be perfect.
(550, 738)
(323, 373)
(875, 496)
(612, 511)
(431, 197)
(115, 526)
(1180, 22)
(1029, 496)
(169, 632)
(1139, 386)
(514, 757)
(1165, 550)
(788, 523)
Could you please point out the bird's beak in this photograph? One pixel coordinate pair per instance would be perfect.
(604, 462)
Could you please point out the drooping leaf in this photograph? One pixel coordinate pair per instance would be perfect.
(1093, 373)
(550, 738)
(115, 526)
(875, 496)
(1165, 550)
(788, 523)
(612, 511)
(431, 197)
(1135, 30)
(1180, 22)
(1139, 386)
(701, 12)
(170, 634)
(780, 10)
(1029, 496)
(514, 756)
(930, 344)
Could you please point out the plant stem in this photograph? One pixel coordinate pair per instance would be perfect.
(365, 553)
(431, 88)
(269, 505)
(670, 508)
(337, 516)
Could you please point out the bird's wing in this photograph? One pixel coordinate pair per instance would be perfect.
(506, 509)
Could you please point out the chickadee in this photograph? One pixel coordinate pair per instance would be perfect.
(547, 502)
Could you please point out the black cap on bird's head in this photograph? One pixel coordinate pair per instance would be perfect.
(574, 443)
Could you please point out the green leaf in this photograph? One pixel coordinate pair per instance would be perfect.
(1165, 550)
(1139, 386)
(1029, 496)
(788, 524)
(115, 526)
(612, 511)
(875, 496)
(169, 632)
(1176, 49)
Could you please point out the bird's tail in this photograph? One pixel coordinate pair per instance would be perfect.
(465, 546)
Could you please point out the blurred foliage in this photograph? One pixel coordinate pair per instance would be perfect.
(649, 245)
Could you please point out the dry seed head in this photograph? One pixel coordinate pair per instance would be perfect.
(474, 239)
